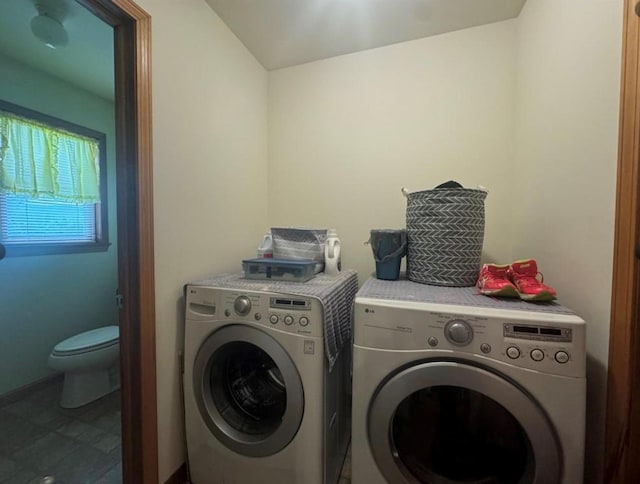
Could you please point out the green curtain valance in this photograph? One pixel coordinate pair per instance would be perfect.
(39, 160)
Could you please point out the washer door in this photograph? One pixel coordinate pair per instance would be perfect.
(447, 422)
(248, 390)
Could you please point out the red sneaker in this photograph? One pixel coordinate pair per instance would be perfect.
(494, 281)
(524, 274)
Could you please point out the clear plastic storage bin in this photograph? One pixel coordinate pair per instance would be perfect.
(279, 269)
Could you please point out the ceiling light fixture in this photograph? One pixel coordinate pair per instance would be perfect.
(47, 27)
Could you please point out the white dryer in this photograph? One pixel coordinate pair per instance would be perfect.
(261, 404)
(454, 387)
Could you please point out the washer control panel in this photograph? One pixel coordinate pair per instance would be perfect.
(293, 314)
(551, 343)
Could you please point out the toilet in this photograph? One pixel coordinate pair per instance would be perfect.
(89, 361)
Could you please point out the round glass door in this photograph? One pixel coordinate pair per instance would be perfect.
(452, 434)
(450, 423)
(248, 390)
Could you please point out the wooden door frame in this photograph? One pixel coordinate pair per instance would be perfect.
(132, 48)
(622, 440)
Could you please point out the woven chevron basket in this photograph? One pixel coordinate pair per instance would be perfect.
(445, 232)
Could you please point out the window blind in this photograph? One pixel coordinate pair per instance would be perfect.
(25, 220)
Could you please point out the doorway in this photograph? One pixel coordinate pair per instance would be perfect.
(135, 258)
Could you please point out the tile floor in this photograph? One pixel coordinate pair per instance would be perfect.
(76, 446)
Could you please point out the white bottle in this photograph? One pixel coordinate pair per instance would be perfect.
(265, 249)
(332, 263)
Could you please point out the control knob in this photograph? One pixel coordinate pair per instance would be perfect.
(458, 332)
(242, 305)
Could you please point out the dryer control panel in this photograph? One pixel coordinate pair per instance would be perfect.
(551, 343)
(293, 314)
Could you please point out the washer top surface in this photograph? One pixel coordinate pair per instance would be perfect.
(405, 290)
(319, 286)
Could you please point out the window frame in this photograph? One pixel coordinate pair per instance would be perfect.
(101, 209)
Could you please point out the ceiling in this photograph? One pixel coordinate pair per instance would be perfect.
(283, 33)
(279, 33)
(87, 61)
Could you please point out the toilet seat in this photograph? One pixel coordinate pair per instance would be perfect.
(88, 341)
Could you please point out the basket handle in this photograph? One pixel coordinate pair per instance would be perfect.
(405, 192)
(401, 252)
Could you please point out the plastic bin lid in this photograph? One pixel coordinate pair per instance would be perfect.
(281, 262)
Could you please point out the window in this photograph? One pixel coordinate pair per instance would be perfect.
(52, 185)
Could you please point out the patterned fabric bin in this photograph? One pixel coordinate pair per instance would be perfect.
(445, 233)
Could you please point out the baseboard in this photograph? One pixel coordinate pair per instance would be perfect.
(19, 393)
(179, 476)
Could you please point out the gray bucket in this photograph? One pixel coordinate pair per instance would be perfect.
(389, 246)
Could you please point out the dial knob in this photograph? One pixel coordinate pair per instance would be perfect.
(304, 321)
(242, 305)
(288, 320)
(273, 319)
(562, 357)
(458, 332)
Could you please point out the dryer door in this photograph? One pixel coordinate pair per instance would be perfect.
(248, 390)
(450, 422)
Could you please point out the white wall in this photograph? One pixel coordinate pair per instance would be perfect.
(45, 299)
(346, 133)
(210, 172)
(566, 149)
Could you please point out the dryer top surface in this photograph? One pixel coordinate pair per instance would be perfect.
(405, 290)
